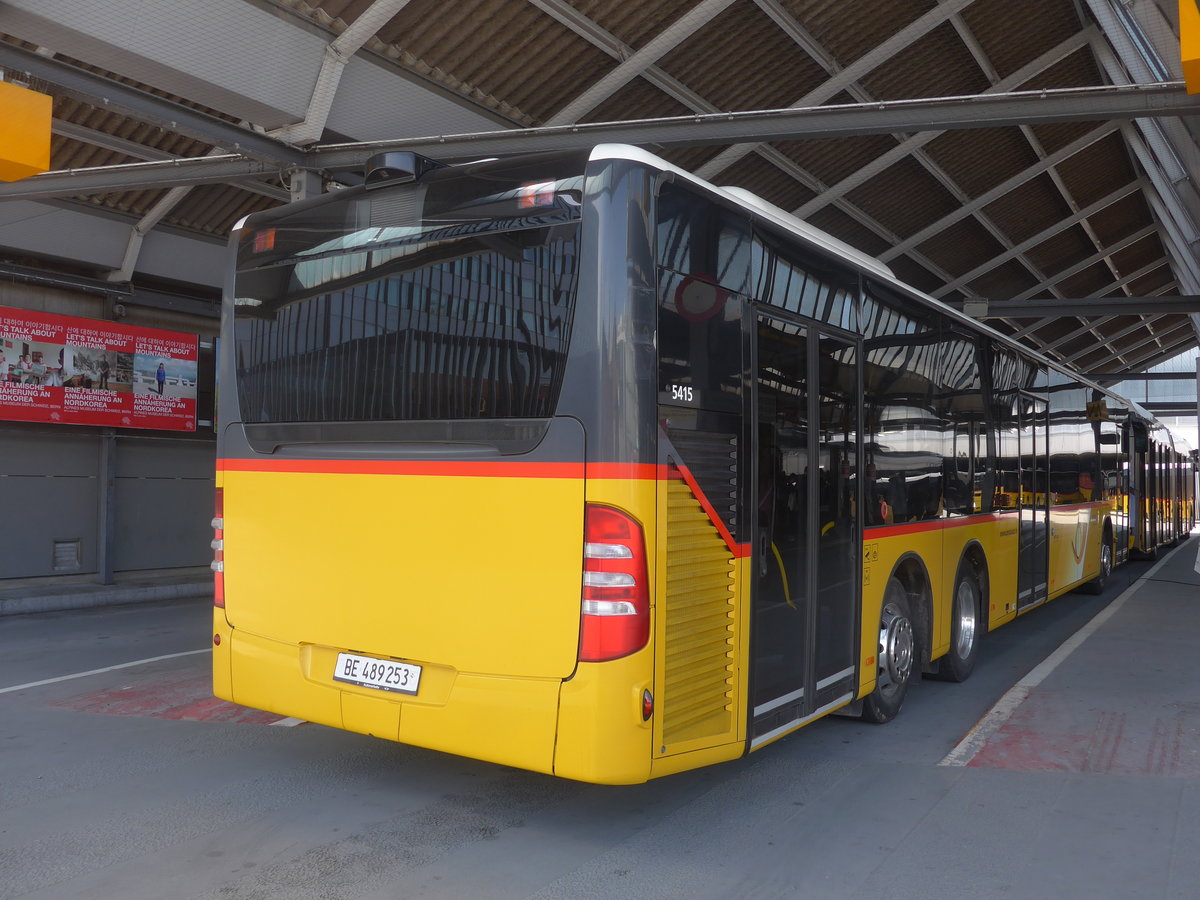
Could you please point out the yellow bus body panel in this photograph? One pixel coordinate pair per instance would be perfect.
(939, 546)
(480, 574)
(602, 737)
(1075, 538)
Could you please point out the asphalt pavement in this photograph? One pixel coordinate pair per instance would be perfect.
(1065, 767)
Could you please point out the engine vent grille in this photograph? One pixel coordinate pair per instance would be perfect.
(698, 692)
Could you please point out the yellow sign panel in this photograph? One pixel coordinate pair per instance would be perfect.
(1189, 43)
(24, 132)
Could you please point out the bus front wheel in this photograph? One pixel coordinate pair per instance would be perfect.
(896, 658)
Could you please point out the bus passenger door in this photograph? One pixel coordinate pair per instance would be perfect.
(806, 556)
(1033, 555)
(1138, 485)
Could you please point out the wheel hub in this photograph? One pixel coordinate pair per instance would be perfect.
(965, 610)
(896, 647)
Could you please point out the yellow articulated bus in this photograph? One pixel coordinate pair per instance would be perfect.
(575, 463)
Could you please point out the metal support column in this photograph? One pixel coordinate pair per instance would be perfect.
(107, 518)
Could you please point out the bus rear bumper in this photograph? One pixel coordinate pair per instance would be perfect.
(506, 720)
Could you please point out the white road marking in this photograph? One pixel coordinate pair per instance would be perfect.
(290, 722)
(998, 715)
(136, 662)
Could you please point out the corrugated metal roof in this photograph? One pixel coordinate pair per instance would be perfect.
(525, 61)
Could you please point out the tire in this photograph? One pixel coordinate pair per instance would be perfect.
(897, 656)
(1100, 582)
(966, 626)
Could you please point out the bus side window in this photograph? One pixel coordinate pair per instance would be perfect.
(703, 271)
(700, 239)
(907, 432)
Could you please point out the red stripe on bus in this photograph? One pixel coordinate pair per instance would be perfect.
(622, 471)
(616, 471)
(881, 531)
(627, 471)
(477, 469)
(739, 551)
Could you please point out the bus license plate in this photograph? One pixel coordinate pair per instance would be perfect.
(382, 674)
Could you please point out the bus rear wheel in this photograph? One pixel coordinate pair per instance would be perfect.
(1097, 584)
(965, 627)
(896, 658)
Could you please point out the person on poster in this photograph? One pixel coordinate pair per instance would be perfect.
(161, 377)
(54, 375)
(104, 373)
(38, 369)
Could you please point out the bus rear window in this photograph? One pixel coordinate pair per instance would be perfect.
(389, 306)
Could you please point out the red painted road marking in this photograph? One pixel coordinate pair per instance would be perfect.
(170, 695)
(1051, 733)
(1007, 708)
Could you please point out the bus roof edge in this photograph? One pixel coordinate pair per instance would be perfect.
(758, 204)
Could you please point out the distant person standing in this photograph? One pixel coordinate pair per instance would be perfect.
(104, 373)
(161, 377)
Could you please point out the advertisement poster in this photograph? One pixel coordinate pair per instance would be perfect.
(71, 371)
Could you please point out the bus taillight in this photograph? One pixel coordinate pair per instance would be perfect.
(218, 545)
(615, 618)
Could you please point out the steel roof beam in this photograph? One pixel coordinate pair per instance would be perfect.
(146, 154)
(1184, 407)
(865, 64)
(1143, 376)
(106, 93)
(656, 48)
(1115, 247)
(1144, 322)
(985, 64)
(789, 167)
(598, 37)
(913, 146)
(1103, 292)
(1157, 154)
(131, 176)
(336, 55)
(944, 113)
(915, 142)
(1076, 146)
(1043, 235)
(137, 234)
(1124, 354)
(1165, 351)
(1076, 306)
(964, 112)
(1183, 260)
(1052, 346)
